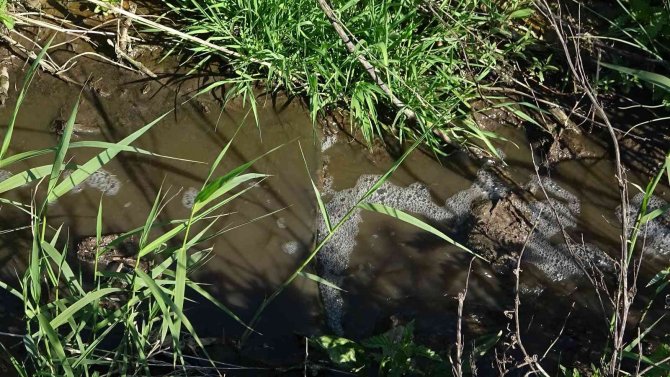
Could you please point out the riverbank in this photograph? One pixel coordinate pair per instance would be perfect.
(532, 186)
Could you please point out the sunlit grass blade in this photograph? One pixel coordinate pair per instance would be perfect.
(67, 272)
(403, 216)
(320, 280)
(661, 81)
(151, 219)
(34, 268)
(80, 304)
(26, 177)
(222, 186)
(28, 78)
(55, 344)
(23, 156)
(61, 148)
(317, 194)
(163, 301)
(78, 176)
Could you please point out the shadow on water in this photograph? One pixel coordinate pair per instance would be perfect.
(394, 273)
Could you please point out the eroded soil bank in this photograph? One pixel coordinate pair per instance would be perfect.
(391, 272)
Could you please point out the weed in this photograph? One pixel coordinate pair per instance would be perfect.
(120, 321)
(433, 57)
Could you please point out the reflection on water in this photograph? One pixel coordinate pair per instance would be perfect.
(383, 265)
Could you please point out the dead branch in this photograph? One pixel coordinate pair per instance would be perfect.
(31, 55)
(123, 25)
(531, 361)
(457, 368)
(624, 295)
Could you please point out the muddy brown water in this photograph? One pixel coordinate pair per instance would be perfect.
(392, 272)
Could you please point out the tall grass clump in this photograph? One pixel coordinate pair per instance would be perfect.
(109, 322)
(430, 59)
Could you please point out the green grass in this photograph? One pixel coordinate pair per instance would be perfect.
(68, 319)
(435, 57)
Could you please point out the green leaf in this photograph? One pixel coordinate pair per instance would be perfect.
(654, 78)
(317, 194)
(25, 177)
(521, 13)
(71, 310)
(61, 148)
(87, 144)
(28, 78)
(320, 280)
(403, 216)
(55, 343)
(67, 272)
(221, 186)
(78, 176)
(341, 351)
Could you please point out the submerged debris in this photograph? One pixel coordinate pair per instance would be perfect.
(111, 255)
(58, 127)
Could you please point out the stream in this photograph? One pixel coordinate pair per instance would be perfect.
(390, 271)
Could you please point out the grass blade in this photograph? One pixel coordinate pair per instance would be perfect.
(320, 280)
(71, 310)
(654, 78)
(61, 148)
(406, 217)
(317, 194)
(22, 94)
(55, 344)
(84, 171)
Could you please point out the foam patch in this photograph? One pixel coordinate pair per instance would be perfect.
(104, 181)
(291, 247)
(101, 180)
(188, 197)
(415, 198)
(656, 231)
(4, 174)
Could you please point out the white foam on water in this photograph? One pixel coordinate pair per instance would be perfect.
(554, 258)
(4, 174)
(291, 247)
(104, 181)
(328, 141)
(656, 232)
(334, 258)
(281, 223)
(100, 179)
(188, 197)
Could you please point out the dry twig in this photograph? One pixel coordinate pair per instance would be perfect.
(625, 292)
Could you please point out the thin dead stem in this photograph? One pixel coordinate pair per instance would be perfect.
(457, 368)
(624, 294)
(529, 360)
